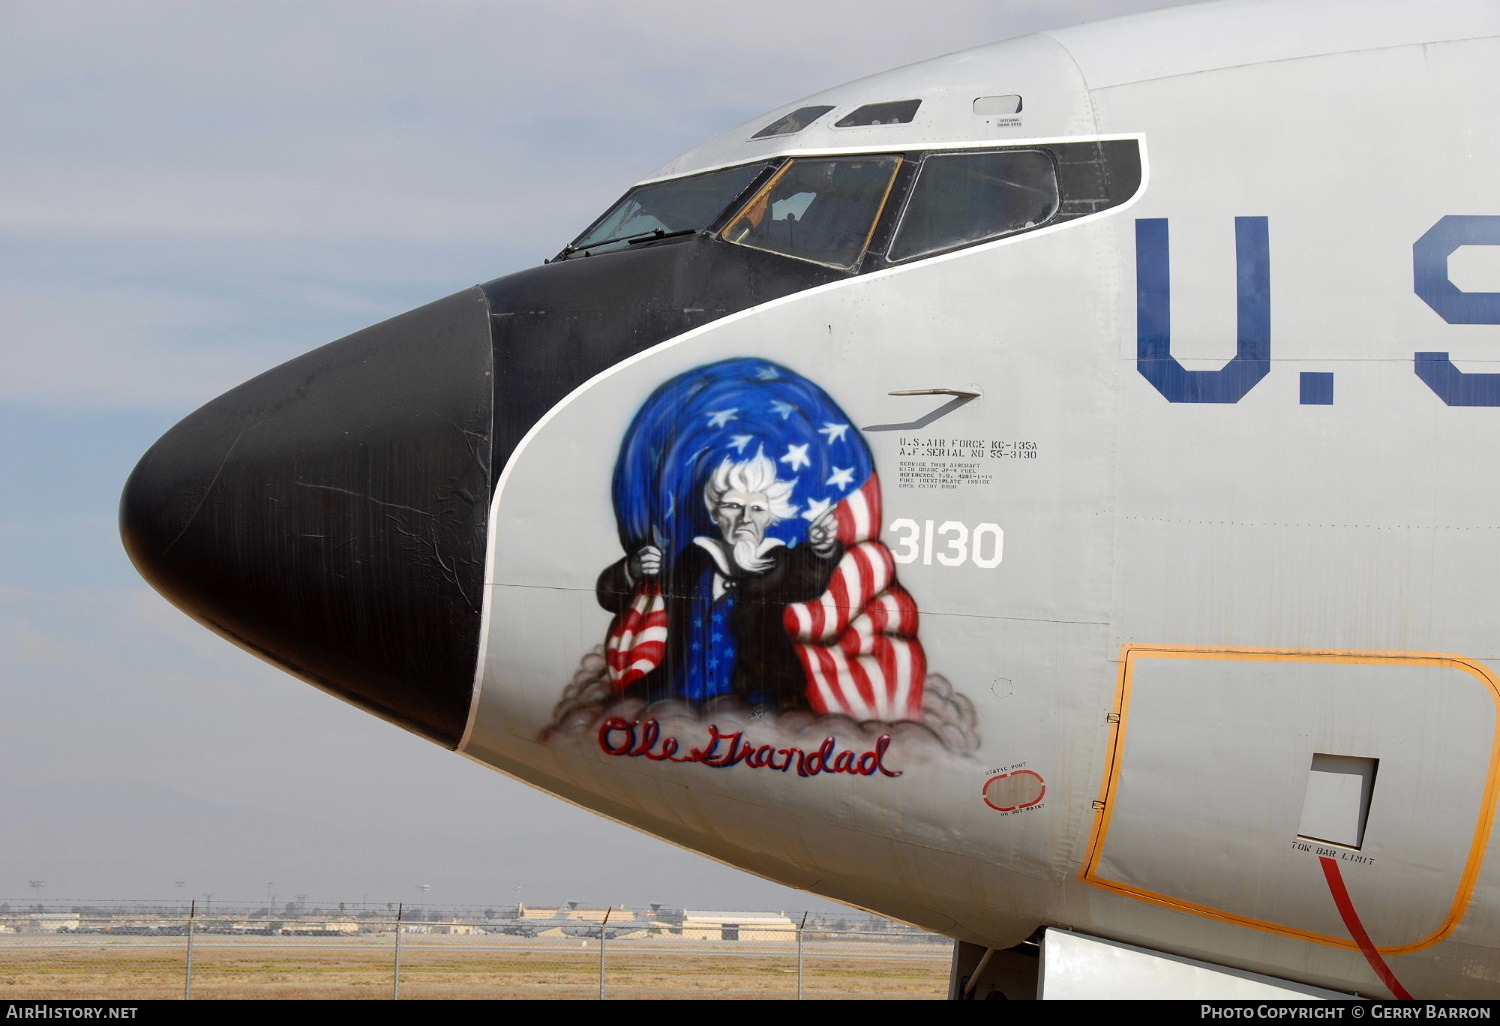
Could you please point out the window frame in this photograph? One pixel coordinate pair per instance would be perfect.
(880, 218)
(769, 166)
(909, 107)
(821, 108)
(1092, 175)
(916, 181)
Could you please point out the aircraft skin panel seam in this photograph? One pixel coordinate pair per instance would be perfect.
(1474, 862)
(1142, 518)
(954, 614)
(660, 347)
(1103, 808)
(1088, 90)
(1272, 62)
(917, 146)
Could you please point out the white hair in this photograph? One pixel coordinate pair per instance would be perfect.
(756, 475)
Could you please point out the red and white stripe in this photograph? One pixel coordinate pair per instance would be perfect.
(858, 515)
(885, 685)
(865, 571)
(858, 640)
(637, 641)
(892, 613)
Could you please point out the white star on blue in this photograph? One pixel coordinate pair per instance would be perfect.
(732, 409)
(842, 476)
(815, 509)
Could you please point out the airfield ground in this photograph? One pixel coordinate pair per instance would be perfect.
(491, 967)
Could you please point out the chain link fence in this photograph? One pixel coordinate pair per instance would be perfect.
(125, 951)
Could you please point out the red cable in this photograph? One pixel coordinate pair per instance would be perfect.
(1356, 928)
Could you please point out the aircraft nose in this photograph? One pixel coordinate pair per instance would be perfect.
(330, 515)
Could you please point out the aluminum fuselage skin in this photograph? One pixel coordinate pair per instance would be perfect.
(1209, 501)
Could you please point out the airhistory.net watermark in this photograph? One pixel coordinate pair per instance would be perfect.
(43, 1010)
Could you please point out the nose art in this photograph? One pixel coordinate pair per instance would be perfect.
(330, 514)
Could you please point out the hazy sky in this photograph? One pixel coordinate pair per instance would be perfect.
(192, 192)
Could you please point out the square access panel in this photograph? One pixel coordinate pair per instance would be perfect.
(1206, 805)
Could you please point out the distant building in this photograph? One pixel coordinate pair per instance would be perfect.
(320, 927)
(737, 926)
(572, 911)
(52, 922)
(250, 926)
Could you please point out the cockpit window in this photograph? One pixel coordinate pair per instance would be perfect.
(792, 123)
(897, 112)
(675, 207)
(963, 198)
(822, 209)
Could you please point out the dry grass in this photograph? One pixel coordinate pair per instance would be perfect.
(490, 967)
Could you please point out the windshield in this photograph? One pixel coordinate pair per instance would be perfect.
(818, 209)
(666, 208)
(962, 198)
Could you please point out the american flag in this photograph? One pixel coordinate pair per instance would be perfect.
(637, 640)
(857, 642)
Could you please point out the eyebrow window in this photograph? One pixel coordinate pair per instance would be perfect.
(963, 198)
(899, 112)
(792, 123)
(818, 209)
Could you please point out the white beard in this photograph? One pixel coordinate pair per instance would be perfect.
(744, 555)
(747, 556)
